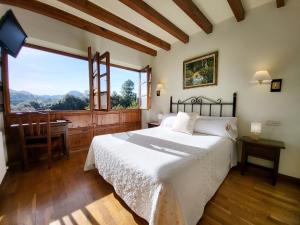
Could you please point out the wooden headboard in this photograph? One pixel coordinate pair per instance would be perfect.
(194, 103)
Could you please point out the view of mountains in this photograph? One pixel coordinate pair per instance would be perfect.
(26, 101)
(17, 97)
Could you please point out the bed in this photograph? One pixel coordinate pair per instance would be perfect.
(165, 177)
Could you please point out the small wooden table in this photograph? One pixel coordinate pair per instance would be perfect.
(58, 128)
(264, 149)
(153, 124)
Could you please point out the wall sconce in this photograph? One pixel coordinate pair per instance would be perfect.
(159, 87)
(255, 130)
(262, 76)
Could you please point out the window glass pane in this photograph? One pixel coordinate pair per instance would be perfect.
(95, 81)
(102, 69)
(96, 106)
(124, 85)
(144, 89)
(41, 80)
(103, 100)
(103, 83)
(143, 77)
(144, 86)
(144, 102)
(95, 66)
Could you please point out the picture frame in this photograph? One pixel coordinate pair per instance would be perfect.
(276, 85)
(201, 71)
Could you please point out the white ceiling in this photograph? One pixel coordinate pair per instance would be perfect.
(215, 10)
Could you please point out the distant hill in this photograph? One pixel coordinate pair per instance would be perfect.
(17, 97)
(77, 94)
(21, 99)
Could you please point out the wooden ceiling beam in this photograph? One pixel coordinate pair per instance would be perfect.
(155, 17)
(280, 3)
(191, 9)
(78, 22)
(237, 9)
(108, 17)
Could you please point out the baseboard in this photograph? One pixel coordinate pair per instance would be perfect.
(284, 177)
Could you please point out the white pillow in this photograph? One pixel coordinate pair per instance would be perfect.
(185, 122)
(219, 126)
(168, 120)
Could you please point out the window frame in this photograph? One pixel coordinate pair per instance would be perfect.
(146, 69)
(5, 77)
(5, 74)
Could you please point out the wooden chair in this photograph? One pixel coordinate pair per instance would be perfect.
(35, 134)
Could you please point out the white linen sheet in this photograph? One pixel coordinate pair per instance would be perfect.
(166, 177)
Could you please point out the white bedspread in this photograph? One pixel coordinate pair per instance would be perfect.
(164, 176)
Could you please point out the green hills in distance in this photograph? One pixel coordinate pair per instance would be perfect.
(25, 101)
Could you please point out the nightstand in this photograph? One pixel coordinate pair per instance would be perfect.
(264, 149)
(153, 124)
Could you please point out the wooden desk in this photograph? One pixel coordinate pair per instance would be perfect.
(58, 129)
(264, 149)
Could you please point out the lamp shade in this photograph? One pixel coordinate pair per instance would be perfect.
(256, 127)
(262, 75)
(159, 86)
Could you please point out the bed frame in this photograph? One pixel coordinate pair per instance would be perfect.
(202, 102)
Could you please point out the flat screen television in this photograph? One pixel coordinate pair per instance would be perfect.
(12, 36)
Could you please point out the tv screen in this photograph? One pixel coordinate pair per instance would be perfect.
(12, 36)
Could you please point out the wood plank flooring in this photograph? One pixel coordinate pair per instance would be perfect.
(65, 195)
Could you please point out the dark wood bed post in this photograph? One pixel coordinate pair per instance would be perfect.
(234, 105)
(171, 101)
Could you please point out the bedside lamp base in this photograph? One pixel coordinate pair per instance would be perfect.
(255, 136)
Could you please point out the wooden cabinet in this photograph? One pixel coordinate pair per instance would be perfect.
(80, 138)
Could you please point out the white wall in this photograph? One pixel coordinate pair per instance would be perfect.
(269, 38)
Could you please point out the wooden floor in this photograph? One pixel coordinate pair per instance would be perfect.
(66, 195)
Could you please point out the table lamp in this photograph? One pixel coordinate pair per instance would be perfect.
(255, 130)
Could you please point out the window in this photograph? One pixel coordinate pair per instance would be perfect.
(129, 88)
(41, 80)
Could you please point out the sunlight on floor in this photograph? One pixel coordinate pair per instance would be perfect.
(99, 211)
(56, 222)
(80, 218)
(105, 210)
(108, 210)
(1, 218)
(96, 209)
(67, 220)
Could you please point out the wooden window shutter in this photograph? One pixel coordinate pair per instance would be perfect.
(145, 88)
(99, 67)
(104, 78)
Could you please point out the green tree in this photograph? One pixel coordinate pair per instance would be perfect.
(35, 105)
(116, 100)
(70, 102)
(129, 98)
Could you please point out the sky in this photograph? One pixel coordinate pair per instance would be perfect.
(45, 73)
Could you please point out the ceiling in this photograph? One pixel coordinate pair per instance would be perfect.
(215, 10)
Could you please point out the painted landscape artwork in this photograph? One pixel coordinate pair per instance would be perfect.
(200, 71)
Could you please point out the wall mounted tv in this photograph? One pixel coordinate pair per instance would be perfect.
(12, 36)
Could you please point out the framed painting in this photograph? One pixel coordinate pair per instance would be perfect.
(200, 71)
